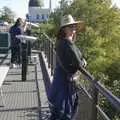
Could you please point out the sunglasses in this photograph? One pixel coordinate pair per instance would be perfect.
(72, 26)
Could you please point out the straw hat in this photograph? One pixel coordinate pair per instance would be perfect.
(68, 20)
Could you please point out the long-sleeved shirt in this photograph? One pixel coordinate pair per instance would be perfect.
(15, 30)
(69, 57)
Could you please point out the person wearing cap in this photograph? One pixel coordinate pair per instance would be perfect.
(63, 98)
(16, 29)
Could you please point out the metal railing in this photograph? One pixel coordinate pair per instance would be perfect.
(96, 88)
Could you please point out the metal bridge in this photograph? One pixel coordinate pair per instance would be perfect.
(27, 100)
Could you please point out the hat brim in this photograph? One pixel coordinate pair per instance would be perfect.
(72, 23)
(80, 27)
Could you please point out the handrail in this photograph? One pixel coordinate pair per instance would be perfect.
(97, 87)
(112, 98)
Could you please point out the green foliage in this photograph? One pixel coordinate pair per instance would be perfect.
(7, 14)
(100, 41)
(48, 28)
(113, 71)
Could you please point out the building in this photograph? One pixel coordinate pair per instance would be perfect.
(36, 13)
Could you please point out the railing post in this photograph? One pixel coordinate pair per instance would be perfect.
(24, 61)
(94, 94)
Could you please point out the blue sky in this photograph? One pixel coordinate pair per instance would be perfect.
(20, 7)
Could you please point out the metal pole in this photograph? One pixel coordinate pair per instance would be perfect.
(24, 61)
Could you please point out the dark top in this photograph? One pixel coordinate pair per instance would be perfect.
(15, 30)
(69, 56)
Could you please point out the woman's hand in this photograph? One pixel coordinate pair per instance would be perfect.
(84, 62)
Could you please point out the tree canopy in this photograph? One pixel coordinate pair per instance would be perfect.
(7, 14)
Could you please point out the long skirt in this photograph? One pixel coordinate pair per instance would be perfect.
(62, 97)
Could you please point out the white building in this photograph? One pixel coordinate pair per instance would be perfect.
(36, 13)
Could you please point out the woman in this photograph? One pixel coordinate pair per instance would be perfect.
(63, 96)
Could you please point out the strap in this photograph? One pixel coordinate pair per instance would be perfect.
(59, 61)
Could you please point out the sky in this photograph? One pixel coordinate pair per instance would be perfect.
(20, 7)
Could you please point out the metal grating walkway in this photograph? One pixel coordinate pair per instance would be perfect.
(23, 99)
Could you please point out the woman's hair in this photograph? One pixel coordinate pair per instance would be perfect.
(18, 22)
(60, 35)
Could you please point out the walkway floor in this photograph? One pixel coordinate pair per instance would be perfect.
(27, 100)
(24, 100)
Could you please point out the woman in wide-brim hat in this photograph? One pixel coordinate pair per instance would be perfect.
(67, 21)
(63, 96)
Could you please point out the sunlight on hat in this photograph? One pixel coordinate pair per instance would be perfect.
(69, 20)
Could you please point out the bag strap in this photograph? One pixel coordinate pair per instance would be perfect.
(59, 61)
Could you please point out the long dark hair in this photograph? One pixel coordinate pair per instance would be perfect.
(60, 35)
(18, 22)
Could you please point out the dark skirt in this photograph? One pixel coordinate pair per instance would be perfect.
(62, 97)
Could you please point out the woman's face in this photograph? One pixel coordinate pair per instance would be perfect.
(69, 30)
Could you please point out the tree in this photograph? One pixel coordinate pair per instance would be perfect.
(7, 14)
